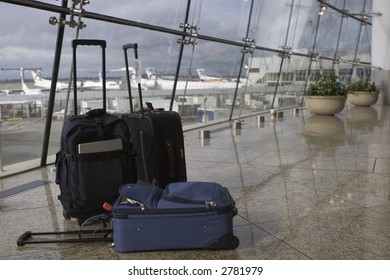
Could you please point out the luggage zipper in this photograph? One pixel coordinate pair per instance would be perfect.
(126, 200)
(210, 204)
(124, 213)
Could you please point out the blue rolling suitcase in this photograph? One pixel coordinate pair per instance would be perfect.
(185, 215)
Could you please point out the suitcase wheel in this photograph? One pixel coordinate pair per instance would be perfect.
(81, 220)
(66, 214)
(235, 242)
(225, 242)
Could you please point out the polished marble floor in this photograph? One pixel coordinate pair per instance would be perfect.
(306, 187)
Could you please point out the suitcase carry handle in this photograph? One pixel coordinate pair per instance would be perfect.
(130, 46)
(125, 48)
(89, 42)
(96, 113)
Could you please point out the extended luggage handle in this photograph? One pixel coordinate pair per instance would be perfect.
(125, 48)
(89, 42)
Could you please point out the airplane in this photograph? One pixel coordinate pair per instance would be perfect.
(204, 78)
(9, 91)
(244, 80)
(110, 85)
(205, 82)
(145, 83)
(39, 81)
(25, 89)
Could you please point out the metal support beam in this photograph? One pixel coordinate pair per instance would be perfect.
(54, 79)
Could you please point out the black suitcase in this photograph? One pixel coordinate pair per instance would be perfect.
(158, 139)
(96, 155)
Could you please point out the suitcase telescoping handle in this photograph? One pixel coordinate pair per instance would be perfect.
(89, 42)
(125, 48)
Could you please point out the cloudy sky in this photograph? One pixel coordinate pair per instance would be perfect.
(28, 40)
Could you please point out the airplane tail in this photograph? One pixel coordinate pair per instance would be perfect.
(37, 76)
(201, 74)
(25, 88)
(204, 78)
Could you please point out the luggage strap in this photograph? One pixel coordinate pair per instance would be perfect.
(99, 128)
(60, 155)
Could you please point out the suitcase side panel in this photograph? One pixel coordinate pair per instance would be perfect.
(158, 139)
(176, 231)
(163, 144)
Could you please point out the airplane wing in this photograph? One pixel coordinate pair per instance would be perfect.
(11, 91)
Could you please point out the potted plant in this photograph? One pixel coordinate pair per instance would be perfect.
(362, 93)
(326, 96)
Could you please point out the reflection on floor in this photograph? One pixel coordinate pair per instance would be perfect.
(306, 187)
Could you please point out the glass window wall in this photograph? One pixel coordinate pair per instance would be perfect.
(212, 61)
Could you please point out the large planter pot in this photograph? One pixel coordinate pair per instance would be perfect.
(363, 98)
(325, 105)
